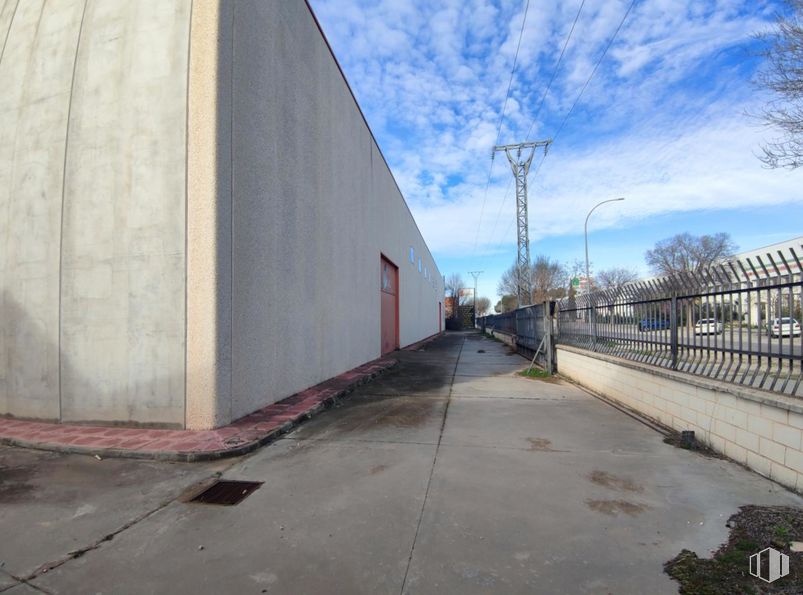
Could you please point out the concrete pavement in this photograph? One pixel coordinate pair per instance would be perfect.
(448, 474)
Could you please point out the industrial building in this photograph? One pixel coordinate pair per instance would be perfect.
(196, 220)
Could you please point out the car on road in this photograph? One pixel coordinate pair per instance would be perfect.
(708, 326)
(784, 327)
(653, 324)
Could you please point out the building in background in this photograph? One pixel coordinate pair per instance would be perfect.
(195, 217)
(782, 259)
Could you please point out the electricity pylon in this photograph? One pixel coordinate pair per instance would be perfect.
(476, 275)
(521, 167)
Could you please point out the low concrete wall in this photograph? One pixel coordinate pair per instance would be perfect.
(506, 338)
(761, 430)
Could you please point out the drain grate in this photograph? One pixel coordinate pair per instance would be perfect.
(227, 492)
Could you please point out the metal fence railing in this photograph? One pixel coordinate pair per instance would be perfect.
(738, 322)
(530, 325)
(505, 323)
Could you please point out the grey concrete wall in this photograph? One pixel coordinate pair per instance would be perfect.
(92, 193)
(192, 212)
(39, 43)
(314, 206)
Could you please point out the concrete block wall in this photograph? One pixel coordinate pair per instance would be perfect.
(759, 429)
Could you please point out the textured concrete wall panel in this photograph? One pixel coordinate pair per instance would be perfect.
(35, 77)
(123, 292)
(314, 206)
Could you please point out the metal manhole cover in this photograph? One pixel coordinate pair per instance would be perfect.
(227, 492)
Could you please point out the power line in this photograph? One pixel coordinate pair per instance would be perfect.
(535, 119)
(476, 275)
(596, 66)
(555, 71)
(499, 124)
(582, 91)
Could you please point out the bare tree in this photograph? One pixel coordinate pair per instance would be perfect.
(454, 283)
(506, 304)
(508, 282)
(547, 280)
(687, 253)
(483, 306)
(783, 76)
(615, 278)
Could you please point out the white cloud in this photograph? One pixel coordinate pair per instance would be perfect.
(662, 123)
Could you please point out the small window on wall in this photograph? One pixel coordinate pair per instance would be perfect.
(426, 273)
(412, 255)
(419, 264)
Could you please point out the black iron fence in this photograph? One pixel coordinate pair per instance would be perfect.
(739, 322)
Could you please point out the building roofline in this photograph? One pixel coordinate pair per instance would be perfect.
(796, 241)
(370, 131)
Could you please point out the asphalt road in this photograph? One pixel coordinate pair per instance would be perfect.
(448, 474)
(737, 339)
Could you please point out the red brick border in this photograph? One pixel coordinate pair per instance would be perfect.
(240, 437)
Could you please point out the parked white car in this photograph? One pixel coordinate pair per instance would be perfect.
(708, 326)
(784, 327)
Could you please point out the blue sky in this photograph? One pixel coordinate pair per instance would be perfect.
(663, 123)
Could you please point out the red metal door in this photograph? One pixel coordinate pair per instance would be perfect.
(389, 294)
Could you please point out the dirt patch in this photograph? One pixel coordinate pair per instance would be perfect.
(753, 529)
(541, 444)
(696, 446)
(609, 480)
(14, 486)
(378, 469)
(615, 507)
(410, 414)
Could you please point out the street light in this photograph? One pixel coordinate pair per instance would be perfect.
(588, 275)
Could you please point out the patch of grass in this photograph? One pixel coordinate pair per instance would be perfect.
(782, 533)
(493, 337)
(534, 373)
(753, 528)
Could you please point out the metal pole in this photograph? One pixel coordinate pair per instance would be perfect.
(521, 167)
(588, 273)
(550, 366)
(476, 275)
(592, 307)
(673, 332)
